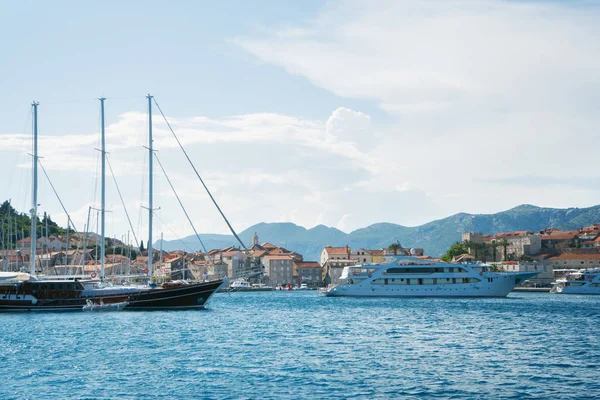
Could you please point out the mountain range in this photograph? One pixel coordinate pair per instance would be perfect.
(435, 237)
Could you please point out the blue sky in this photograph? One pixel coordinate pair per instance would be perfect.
(344, 113)
(183, 51)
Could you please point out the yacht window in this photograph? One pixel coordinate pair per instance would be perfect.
(60, 286)
(420, 281)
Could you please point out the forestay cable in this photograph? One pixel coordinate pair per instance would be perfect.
(198, 175)
(57, 196)
(173, 233)
(137, 244)
(184, 210)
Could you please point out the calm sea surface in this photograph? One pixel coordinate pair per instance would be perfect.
(300, 345)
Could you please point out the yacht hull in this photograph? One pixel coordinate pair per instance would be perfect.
(586, 289)
(499, 285)
(28, 296)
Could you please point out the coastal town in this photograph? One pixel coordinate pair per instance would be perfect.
(520, 251)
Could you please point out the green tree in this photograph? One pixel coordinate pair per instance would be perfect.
(485, 252)
(468, 245)
(504, 243)
(142, 246)
(454, 251)
(394, 247)
(494, 245)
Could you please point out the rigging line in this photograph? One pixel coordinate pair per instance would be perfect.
(123, 203)
(57, 196)
(67, 101)
(125, 97)
(174, 235)
(184, 211)
(198, 175)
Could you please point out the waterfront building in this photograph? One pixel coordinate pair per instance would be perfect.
(236, 261)
(556, 239)
(278, 269)
(309, 272)
(333, 268)
(335, 253)
(491, 247)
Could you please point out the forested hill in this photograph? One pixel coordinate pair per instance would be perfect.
(22, 223)
(435, 237)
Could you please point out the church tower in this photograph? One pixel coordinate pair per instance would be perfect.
(255, 239)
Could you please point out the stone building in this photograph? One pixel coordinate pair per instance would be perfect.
(278, 269)
(309, 272)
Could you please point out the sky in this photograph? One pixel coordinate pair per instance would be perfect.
(342, 113)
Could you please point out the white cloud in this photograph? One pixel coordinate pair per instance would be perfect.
(478, 90)
(481, 98)
(414, 56)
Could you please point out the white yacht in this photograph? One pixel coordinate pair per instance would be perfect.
(576, 281)
(408, 276)
(240, 284)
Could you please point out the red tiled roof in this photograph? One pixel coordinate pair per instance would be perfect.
(591, 228)
(376, 252)
(512, 234)
(279, 250)
(268, 245)
(560, 235)
(278, 257)
(231, 253)
(337, 250)
(568, 257)
(308, 264)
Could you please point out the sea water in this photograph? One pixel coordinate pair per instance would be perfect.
(301, 345)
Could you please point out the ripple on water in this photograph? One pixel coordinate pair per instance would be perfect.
(300, 345)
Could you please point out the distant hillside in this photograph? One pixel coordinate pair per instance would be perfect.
(435, 237)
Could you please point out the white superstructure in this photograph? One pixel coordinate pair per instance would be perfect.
(577, 281)
(406, 276)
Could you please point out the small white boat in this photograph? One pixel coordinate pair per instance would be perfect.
(91, 306)
(576, 281)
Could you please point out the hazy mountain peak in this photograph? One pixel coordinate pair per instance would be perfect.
(435, 237)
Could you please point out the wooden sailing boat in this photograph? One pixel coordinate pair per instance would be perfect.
(24, 292)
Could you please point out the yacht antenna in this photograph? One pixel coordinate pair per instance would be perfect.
(33, 234)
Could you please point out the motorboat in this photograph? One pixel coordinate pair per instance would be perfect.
(101, 306)
(576, 281)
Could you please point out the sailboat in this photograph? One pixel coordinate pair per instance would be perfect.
(25, 292)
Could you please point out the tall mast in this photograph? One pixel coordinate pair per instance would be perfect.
(67, 246)
(103, 201)
(150, 205)
(33, 233)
